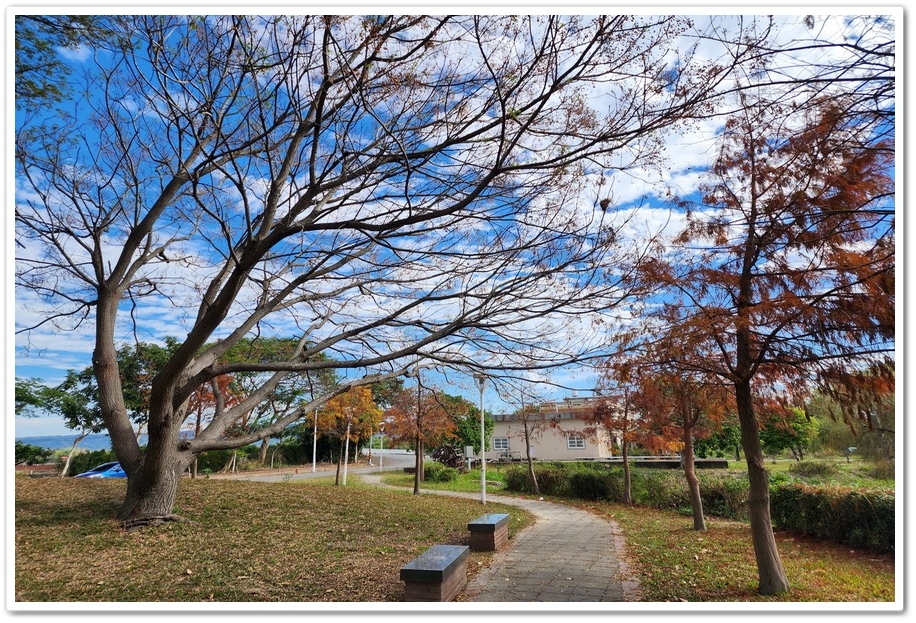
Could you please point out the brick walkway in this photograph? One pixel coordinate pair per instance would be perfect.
(567, 555)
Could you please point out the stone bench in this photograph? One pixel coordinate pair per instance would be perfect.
(489, 532)
(438, 574)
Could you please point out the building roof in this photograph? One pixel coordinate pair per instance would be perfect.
(574, 408)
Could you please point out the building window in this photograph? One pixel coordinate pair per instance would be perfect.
(575, 442)
(501, 443)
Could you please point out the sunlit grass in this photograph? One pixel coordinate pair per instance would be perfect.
(672, 562)
(296, 541)
(675, 562)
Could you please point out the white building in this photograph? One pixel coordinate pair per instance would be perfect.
(560, 434)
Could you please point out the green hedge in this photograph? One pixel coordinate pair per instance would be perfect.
(847, 516)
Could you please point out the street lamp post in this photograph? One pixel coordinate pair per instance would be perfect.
(481, 379)
(314, 440)
(381, 449)
(347, 445)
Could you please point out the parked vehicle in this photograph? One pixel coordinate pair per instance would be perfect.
(105, 470)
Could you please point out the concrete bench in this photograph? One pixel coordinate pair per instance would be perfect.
(438, 574)
(489, 532)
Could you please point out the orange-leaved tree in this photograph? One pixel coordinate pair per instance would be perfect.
(784, 271)
(675, 407)
(349, 417)
(208, 401)
(419, 416)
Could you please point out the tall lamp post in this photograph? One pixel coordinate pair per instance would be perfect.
(481, 379)
(381, 449)
(347, 445)
(314, 440)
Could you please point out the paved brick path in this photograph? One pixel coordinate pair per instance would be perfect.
(567, 555)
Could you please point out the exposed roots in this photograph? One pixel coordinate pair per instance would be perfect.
(138, 523)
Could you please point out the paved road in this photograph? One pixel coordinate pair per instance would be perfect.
(568, 555)
(391, 460)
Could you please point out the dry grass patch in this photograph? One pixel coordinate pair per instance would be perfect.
(673, 562)
(300, 541)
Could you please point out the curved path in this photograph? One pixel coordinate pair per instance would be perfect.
(567, 555)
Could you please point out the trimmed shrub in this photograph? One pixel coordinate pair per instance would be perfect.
(660, 489)
(725, 495)
(437, 472)
(591, 485)
(865, 520)
(846, 516)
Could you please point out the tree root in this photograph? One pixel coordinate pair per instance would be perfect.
(138, 523)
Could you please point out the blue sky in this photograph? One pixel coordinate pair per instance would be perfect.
(48, 355)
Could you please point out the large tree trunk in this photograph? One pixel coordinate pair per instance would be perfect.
(152, 489)
(772, 576)
(693, 483)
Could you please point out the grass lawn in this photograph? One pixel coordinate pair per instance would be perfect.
(676, 563)
(297, 541)
(309, 541)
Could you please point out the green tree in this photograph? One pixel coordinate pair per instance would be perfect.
(41, 72)
(29, 454)
(836, 434)
(31, 395)
(722, 442)
(788, 428)
(290, 392)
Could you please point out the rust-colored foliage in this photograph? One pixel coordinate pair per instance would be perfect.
(784, 270)
(422, 416)
(209, 399)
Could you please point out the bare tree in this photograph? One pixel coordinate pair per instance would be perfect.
(388, 189)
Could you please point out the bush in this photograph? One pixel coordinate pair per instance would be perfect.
(592, 485)
(31, 455)
(813, 469)
(725, 495)
(854, 518)
(864, 520)
(216, 460)
(437, 472)
(660, 489)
